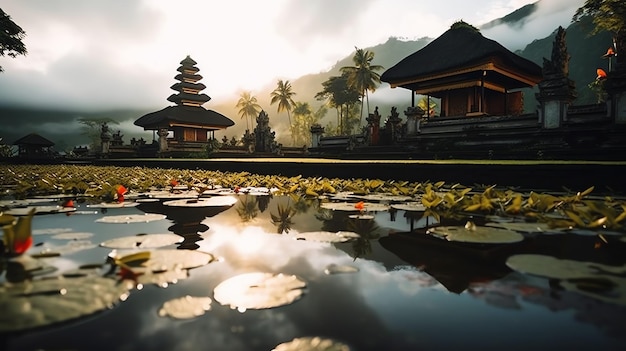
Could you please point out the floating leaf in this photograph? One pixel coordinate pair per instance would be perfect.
(72, 236)
(410, 206)
(259, 290)
(42, 302)
(138, 218)
(24, 211)
(477, 234)
(145, 241)
(215, 201)
(312, 344)
(185, 307)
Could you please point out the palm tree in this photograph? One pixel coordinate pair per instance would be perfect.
(302, 120)
(284, 96)
(248, 107)
(341, 96)
(362, 76)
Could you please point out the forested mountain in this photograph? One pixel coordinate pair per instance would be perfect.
(586, 56)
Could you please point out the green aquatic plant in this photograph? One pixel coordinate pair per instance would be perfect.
(17, 235)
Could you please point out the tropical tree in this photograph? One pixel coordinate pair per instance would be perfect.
(91, 128)
(304, 118)
(283, 95)
(607, 15)
(248, 107)
(341, 96)
(363, 76)
(11, 36)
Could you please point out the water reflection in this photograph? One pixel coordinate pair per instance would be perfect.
(187, 218)
(404, 297)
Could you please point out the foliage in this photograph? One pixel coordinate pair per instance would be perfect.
(304, 118)
(608, 15)
(283, 95)
(5, 150)
(343, 97)
(248, 107)
(363, 76)
(91, 128)
(11, 36)
(572, 210)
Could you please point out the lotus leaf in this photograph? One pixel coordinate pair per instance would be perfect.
(72, 236)
(312, 344)
(146, 241)
(259, 290)
(348, 206)
(123, 219)
(577, 276)
(185, 307)
(42, 302)
(215, 201)
(410, 206)
(23, 211)
(113, 204)
(477, 234)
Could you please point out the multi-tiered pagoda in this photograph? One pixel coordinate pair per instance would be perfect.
(186, 127)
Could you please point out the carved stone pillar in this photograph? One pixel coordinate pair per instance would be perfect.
(556, 90)
(105, 140)
(162, 133)
(373, 127)
(616, 83)
(316, 134)
(413, 119)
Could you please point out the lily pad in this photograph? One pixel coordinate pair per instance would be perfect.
(312, 344)
(525, 227)
(23, 211)
(327, 237)
(43, 302)
(72, 236)
(595, 280)
(385, 197)
(410, 206)
(146, 241)
(477, 234)
(215, 201)
(185, 307)
(114, 204)
(165, 260)
(259, 290)
(350, 206)
(552, 267)
(123, 219)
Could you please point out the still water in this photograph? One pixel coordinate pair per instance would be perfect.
(398, 295)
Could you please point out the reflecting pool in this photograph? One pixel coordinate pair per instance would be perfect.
(378, 287)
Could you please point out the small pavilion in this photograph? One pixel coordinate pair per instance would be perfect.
(186, 127)
(472, 75)
(34, 146)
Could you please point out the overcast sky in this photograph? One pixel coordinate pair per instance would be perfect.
(105, 54)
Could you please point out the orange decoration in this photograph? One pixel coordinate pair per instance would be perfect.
(601, 73)
(359, 205)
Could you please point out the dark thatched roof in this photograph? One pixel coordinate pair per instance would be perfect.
(184, 114)
(33, 139)
(462, 46)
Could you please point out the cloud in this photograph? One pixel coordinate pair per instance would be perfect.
(549, 15)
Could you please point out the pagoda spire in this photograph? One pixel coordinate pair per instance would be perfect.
(188, 87)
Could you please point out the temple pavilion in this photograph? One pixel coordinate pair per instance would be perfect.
(472, 75)
(186, 127)
(34, 146)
